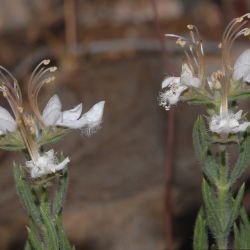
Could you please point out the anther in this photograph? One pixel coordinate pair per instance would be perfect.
(247, 32)
(181, 42)
(46, 61)
(52, 69)
(239, 19)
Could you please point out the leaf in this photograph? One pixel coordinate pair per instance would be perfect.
(34, 239)
(49, 230)
(25, 194)
(64, 243)
(243, 160)
(211, 209)
(12, 141)
(201, 147)
(241, 233)
(236, 208)
(60, 194)
(52, 135)
(237, 240)
(239, 96)
(200, 233)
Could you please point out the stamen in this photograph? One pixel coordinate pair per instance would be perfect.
(190, 26)
(52, 69)
(181, 42)
(247, 32)
(239, 19)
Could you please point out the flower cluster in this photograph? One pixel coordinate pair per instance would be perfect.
(31, 128)
(218, 90)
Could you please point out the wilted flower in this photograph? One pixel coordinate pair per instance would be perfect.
(228, 123)
(46, 164)
(31, 127)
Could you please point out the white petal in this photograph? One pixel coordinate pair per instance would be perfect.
(46, 164)
(52, 111)
(187, 77)
(72, 114)
(91, 119)
(242, 66)
(61, 165)
(7, 123)
(242, 127)
(170, 80)
(238, 115)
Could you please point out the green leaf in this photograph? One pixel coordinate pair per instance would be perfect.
(237, 238)
(200, 233)
(201, 147)
(241, 233)
(60, 194)
(239, 96)
(12, 142)
(49, 230)
(34, 239)
(236, 208)
(243, 160)
(211, 209)
(52, 135)
(25, 194)
(64, 243)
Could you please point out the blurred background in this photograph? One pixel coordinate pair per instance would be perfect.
(119, 195)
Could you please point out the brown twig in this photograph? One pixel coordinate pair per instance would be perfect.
(170, 141)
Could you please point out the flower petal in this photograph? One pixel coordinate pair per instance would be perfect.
(46, 164)
(187, 77)
(242, 67)
(7, 123)
(90, 119)
(242, 127)
(169, 81)
(52, 111)
(72, 114)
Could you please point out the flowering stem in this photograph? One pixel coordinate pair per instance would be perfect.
(45, 230)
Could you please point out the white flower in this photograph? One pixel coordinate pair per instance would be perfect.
(54, 116)
(187, 77)
(175, 86)
(45, 164)
(242, 67)
(7, 123)
(228, 123)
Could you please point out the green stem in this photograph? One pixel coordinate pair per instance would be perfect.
(223, 199)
